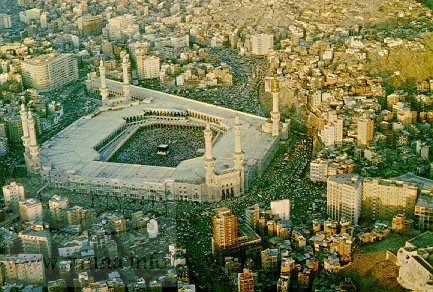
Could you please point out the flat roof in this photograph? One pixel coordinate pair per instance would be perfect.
(72, 150)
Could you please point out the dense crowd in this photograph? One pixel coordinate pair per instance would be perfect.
(141, 148)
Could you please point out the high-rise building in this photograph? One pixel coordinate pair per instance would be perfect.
(225, 228)
(31, 209)
(344, 197)
(36, 240)
(58, 206)
(5, 21)
(84, 217)
(48, 72)
(23, 269)
(281, 208)
(147, 67)
(13, 193)
(270, 260)
(90, 24)
(262, 44)
(365, 131)
(245, 281)
(424, 211)
(384, 198)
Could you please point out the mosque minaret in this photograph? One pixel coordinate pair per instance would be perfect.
(103, 89)
(30, 142)
(126, 85)
(209, 162)
(26, 135)
(275, 114)
(238, 155)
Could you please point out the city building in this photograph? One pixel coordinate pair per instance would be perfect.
(122, 27)
(82, 216)
(5, 21)
(245, 281)
(382, 199)
(13, 193)
(23, 269)
(233, 239)
(31, 209)
(424, 212)
(262, 44)
(344, 197)
(281, 208)
(147, 67)
(90, 25)
(365, 131)
(225, 228)
(270, 261)
(48, 72)
(36, 240)
(415, 264)
(58, 206)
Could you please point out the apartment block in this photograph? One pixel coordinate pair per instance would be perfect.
(384, 198)
(225, 228)
(23, 269)
(246, 281)
(344, 197)
(13, 193)
(36, 240)
(262, 44)
(31, 209)
(48, 72)
(365, 131)
(148, 67)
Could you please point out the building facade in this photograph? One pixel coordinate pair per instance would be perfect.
(23, 269)
(13, 193)
(384, 198)
(262, 44)
(147, 67)
(225, 228)
(344, 197)
(49, 72)
(31, 209)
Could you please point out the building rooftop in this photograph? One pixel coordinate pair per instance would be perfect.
(72, 150)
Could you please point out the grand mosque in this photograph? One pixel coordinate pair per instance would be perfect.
(238, 146)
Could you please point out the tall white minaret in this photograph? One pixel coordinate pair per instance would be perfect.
(209, 164)
(26, 136)
(238, 156)
(126, 85)
(275, 114)
(103, 89)
(34, 164)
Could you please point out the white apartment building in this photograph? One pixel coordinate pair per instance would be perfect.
(332, 132)
(31, 209)
(148, 67)
(30, 14)
(5, 21)
(13, 193)
(281, 208)
(344, 197)
(58, 206)
(365, 131)
(262, 44)
(122, 27)
(319, 170)
(48, 72)
(384, 198)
